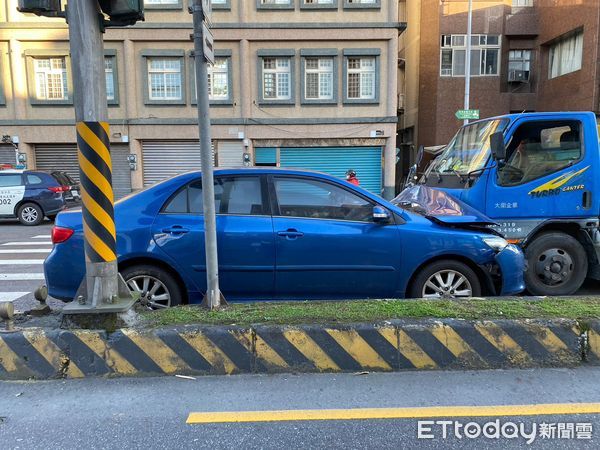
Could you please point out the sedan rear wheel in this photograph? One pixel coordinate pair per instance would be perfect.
(156, 287)
(445, 280)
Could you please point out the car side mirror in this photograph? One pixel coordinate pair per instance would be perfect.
(497, 146)
(380, 214)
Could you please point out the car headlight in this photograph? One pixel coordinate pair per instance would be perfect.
(496, 243)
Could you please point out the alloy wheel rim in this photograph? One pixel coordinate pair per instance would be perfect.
(447, 284)
(29, 214)
(153, 292)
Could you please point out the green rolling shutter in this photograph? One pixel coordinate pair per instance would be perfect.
(366, 161)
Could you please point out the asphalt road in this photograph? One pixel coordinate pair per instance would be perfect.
(22, 251)
(152, 412)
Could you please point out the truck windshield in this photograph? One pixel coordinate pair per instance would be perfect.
(469, 150)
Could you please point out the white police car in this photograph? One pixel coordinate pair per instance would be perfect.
(31, 195)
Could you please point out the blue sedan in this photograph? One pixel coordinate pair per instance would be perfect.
(288, 234)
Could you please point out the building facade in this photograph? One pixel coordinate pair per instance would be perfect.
(527, 55)
(296, 83)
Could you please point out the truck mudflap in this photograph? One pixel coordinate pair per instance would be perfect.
(512, 267)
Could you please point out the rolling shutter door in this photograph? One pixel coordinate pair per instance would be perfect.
(50, 158)
(165, 159)
(7, 155)
(230, 154)
(366, 161)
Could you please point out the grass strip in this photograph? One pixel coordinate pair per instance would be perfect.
(339, 312)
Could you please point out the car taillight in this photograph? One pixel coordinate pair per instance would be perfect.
(57, 189)
(60, 234)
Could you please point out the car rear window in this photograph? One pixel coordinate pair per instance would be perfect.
(7, 180)
(33, 179)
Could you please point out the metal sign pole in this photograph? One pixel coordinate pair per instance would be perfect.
(103, 290)
(213, 297)
(468, 60)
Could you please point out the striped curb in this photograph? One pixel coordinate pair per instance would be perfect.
(391, 346)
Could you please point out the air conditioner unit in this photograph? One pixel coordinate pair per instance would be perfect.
(518, 76)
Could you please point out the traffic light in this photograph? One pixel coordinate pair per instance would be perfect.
(123, 11)
(39, 7)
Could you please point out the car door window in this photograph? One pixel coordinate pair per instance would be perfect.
(233, 195)
(298, 197)
(541, 148)
(10, 180)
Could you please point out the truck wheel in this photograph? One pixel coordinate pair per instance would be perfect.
(30, 214)
(446, 279)
(558, 264)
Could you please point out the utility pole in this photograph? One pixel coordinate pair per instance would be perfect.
(103, 289)
(200, 10)
(468, 60)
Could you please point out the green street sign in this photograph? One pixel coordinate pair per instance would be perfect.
(467, 114)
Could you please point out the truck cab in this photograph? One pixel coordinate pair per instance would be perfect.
(538, 180)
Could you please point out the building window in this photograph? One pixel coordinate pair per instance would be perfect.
(51, 81)
(276, 78)
(319, 2)
(163, 4)
(522, 3)
(361, 78)
(163, 77)
(318, 78)
(362, 4)
(519, 64)
(274, 4)
(109, 71)
(485, 55)
(218, 79)
(566, 56)
(220, 4)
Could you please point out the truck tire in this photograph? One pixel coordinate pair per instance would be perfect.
(557, 264)
(446, 279)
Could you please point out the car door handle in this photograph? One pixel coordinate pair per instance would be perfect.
(176, 229)
(290, 233)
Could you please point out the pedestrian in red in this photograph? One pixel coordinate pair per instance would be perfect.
(351, 177)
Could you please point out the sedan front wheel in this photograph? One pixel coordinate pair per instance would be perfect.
(445, 280)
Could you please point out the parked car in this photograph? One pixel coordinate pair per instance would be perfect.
(72, 195)
(30, 195)
(287, 234)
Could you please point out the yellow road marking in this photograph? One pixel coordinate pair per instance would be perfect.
(594, 342)
(393, 413)
(8, 359)
(113, 358)
(502, 341)
(360, 350)
(414, 353)
(454, 343)
(309, 348)
(209, 351)
(52, 353)
(157, 351)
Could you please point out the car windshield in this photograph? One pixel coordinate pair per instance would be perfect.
(469, 150)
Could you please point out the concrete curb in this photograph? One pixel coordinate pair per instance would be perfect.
(210, 350)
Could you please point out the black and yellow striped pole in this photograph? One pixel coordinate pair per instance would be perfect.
(103, 289)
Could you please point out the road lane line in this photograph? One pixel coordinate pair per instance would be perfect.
(21, 276)
(394, 413)
(9, 251)
(11, 296)
(21, 262)
(14, 244)
(42, 236)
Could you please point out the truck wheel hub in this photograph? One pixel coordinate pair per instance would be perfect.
(554, 266)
